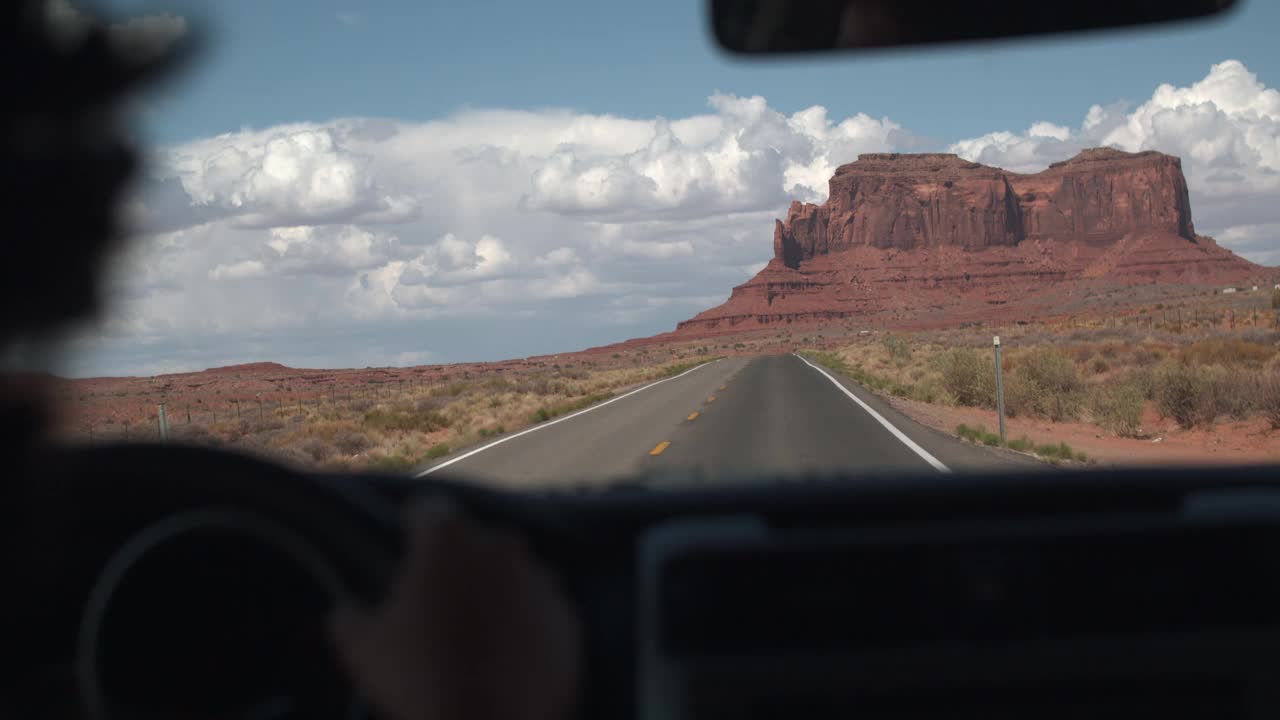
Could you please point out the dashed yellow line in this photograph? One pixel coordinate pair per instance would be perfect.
(722, 387)
(693, 416)
(711, 399)
(657, 449)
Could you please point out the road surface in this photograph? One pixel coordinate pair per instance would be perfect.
(736, 417)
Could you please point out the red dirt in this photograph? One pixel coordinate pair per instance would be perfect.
(1236, 442)
(119, 407)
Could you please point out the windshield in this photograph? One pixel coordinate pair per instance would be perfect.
(540, 245)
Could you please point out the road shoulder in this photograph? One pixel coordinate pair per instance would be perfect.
(956, 454)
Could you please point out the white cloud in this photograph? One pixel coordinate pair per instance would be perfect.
(334, 249)
(1225, 127)
(238, 270)
(1049, 130)
(1259, 243)
(294, 175)
(745, 157)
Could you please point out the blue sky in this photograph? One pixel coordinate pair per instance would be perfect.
(289, 60)
(352, 184)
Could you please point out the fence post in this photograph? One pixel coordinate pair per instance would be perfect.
(164, 422)
(999, 389)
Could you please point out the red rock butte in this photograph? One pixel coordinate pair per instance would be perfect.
(903, 238)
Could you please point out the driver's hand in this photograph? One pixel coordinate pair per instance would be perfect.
(473, 627)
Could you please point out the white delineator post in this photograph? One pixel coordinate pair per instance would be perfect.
(163, 421)
(999, 389)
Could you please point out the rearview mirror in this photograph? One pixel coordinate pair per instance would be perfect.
(796, 26)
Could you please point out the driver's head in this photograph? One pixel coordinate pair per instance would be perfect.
(63, 161)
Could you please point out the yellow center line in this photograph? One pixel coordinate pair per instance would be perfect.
(657, 449)
(693, 415)
(722, 387)
(711, 399)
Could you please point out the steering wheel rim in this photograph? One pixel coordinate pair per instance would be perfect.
(344, 536)
(357, 531)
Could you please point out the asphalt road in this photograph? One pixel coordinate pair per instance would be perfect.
(737, 417)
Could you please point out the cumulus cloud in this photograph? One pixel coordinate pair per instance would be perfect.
(1225, 127)
(500, 233)
(300, 175)
(238, 270)
(747, 156)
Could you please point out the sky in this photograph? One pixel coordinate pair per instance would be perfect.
(394, 183)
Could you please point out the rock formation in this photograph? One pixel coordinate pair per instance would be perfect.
(907, 236)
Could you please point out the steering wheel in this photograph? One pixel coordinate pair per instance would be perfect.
(213, 580)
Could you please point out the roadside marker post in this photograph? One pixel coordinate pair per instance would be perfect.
(999, 390)
(163, 422)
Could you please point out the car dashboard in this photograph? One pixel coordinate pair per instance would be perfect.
(165, 582)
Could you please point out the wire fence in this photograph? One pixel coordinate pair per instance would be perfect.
(193, 415)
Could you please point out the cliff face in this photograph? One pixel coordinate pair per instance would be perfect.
(932, 200)
(902, 235)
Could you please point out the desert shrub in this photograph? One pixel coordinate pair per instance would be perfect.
(677, 368)
(195, 434)
(316, 449)
(1118, 408)
(451, 389)
(899, 350)
(1045, 382)
(390, 463)
(361, 404)
(428, 404)
(1194, 395)
(978, 434)
(265, 424)
(436, 451)
(417, 421)
(1099, 366)
(545, 413)
(1021, 444)
(1178, 388)
(1227, 352)
(968, 377)
(350, 442)
(1198, 395)
(1144, 379)
(1269, 399)
(1228, 392)
(1275, 298)
(1146, 357)
(1082, 353)
(929, 391)
(1061, 451)
(497, 384)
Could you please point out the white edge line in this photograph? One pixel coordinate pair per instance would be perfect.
(540, 426)
(937, 465)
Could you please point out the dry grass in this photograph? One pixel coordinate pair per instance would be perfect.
(1106, 376)
(407, 429)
